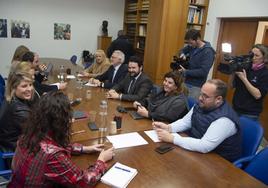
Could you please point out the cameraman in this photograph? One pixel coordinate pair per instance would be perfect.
(201, 56)
(251, 85)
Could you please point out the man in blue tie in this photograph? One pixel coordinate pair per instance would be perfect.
(116, 72)
(135, 86)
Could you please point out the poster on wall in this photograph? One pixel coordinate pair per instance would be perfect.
(3, 28)
(62, 31)
(20, 29)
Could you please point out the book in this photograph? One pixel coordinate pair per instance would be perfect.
(119, 175)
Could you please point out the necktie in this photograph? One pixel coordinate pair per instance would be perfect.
(131, 85)
(114, 72)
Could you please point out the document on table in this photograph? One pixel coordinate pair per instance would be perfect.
(91, 85)
(70, 77)
(127, 140)
(119, 175)
(153, 135)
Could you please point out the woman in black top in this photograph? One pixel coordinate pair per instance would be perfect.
(168, 104)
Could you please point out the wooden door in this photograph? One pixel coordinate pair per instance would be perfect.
(241, 33)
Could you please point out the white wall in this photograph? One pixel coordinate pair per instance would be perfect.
(85, 17)
(231, 8)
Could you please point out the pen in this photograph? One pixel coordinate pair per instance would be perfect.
(78, 132)
(126, 170)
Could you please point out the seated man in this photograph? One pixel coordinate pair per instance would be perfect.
(116, 72)
(135, 86)
(212, 125)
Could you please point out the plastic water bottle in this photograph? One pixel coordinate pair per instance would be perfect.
(103, 113)
(61, 73)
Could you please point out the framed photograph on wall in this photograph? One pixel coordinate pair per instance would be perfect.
(20, 29)
(3, 28)
(62, 31)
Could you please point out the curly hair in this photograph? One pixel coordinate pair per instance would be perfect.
(50, 117)
(179, 82)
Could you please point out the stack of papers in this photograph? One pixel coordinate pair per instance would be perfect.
(153, 135)
(127, 140)
(91, 85)
(119, 175)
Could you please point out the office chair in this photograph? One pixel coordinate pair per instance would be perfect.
(156, 89)
(73, 59)
(191, 102)
(5, 172)
(252, 133)
(258, 166)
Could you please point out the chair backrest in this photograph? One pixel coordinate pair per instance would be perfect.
(2, 89)
(258, 166)
(156, 89)
(73, 59)
(5, 170)
(191, 102)
(252, 133)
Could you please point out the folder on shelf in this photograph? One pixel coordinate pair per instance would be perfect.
(119, 175)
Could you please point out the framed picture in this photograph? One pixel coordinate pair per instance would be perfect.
(3, 28)
(62, 31)
(20, 29)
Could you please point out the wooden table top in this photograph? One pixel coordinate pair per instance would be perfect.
(177, 168)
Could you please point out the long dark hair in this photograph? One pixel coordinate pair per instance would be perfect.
(50, 117)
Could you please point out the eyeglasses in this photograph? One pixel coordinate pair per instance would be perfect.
(205, 96)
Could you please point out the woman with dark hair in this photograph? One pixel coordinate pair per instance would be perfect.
(169, 104)
(251, 86)
(42, 157)
(15, 108)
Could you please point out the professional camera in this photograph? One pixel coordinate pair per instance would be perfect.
(88, 56)
(177, 62)
(235, 63)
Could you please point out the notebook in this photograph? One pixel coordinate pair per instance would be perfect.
(119, 175)
(135, 115)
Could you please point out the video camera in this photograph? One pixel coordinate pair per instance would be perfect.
(178, 61)
(88, 56)
(235, 63)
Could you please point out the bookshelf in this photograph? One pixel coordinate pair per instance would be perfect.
(135, 23)
(168, 21)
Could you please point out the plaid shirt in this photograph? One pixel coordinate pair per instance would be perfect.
(52, 166)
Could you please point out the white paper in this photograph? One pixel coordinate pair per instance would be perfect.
(119, 175)
(70, 77)
(55, 84)
(153, 135)
(127, 140)
(80, 75)
(91, 85)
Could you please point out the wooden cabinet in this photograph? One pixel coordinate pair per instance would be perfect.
(135, 23)
(168, 20)
(104, 42)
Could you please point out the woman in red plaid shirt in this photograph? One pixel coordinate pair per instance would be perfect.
(42, 157)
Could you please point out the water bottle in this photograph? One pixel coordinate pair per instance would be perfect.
(103, 113)
(61, 74)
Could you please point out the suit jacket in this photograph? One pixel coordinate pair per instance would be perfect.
(107, 76)
(142, 87)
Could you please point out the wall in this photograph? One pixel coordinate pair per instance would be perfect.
(85, 17)
(230, 8)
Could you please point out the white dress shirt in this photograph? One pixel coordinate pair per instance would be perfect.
(216, 133)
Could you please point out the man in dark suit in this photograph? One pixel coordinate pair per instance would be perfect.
(121, 43)
(116, 72)
(135, 86)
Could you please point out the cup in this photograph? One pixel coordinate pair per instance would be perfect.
(118, 120)
(68, 71)
(70, 96)
(92, 116)
(88, 95)
(113, 127)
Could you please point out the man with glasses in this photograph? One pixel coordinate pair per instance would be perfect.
(201, 56)
(211, 125)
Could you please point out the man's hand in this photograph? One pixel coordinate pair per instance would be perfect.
(112, 94)
(62, 86)
(160, 125)
(164, 135)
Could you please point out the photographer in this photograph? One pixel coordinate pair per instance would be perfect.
(201, 56)
(251, 85)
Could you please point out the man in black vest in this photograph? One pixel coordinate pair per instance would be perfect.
(212, 125)
(135, 86)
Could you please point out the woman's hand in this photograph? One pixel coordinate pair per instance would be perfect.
(136, 104)
(93, 148)
(106, 155)
(242, 75)
(142, 111)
